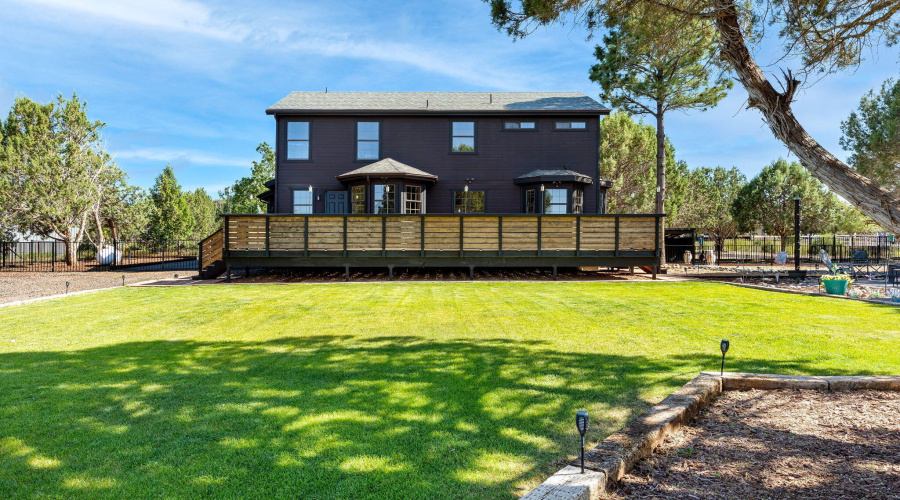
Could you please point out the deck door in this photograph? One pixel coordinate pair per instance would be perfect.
(336, 202)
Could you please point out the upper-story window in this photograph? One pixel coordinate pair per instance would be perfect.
(519, 125)
(367, 140)
(463, 137)
(297, 140)
(570, 125)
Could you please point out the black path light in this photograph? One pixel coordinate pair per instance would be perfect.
(123, 280)
(724, 345)
(582, 422)
(67, 287)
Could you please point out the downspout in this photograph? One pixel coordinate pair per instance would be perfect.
(598, 206)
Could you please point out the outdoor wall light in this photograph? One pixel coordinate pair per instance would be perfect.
(310, 189)
(724, 346)
(542, 188)
(582, 422)
(466, 188)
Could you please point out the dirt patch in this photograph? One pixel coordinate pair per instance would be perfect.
(15, 286)
(778, 444)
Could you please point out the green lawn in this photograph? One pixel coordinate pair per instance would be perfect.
(375, 390)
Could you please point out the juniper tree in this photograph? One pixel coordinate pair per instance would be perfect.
(820, 37)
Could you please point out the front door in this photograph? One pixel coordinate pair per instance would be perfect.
(335, 202)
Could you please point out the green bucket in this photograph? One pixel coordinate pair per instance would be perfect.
(836, 287)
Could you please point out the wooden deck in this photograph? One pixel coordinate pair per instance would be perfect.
(441, 240)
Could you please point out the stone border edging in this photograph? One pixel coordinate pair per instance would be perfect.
(610, 460)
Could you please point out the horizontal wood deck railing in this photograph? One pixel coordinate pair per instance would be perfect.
(442, 234)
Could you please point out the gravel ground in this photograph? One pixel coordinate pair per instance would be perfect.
(787, 444)
(23, 285)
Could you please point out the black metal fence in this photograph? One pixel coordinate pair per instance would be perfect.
(763, 250)
(50, 256)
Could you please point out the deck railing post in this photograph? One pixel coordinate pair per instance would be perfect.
(616, 236)
(578, 236)
(384, 235)
(500, 236)
(200, 258)
(306, 236)
(658, 219)
(460, 235)
(268, 253)
(539, 236)
(227, 228)
(345, 234)
(422, 235)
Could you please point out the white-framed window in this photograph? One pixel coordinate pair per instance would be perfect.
(577, 201)
(519, 125)
(367, 140)
(413, 200)
(297, 140)
(303, 201)
(571, 125)
(462, 138)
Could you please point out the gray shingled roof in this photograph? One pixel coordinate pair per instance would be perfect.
(547, 175)
(436, 102)
(387, 167)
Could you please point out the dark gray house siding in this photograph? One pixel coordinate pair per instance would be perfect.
(423, 141)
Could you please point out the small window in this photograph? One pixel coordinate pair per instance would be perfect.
(298, 140)
(367, 135)
(571, 125)
(412, 203)
(519, 125)
(468, 202)
(463, 139)
(577, 201)
(530, 202)
(384, 198)
(358, 201)
(555, 201)
(303, 201)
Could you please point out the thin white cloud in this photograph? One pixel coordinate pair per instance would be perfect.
(174, 155)
(295, 31)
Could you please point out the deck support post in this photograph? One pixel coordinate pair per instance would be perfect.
(346, 273)
(390, 273)
(246, 272)
(555, 275)
(471, 273)
(631, 270)
(228, 274)
(655, 270)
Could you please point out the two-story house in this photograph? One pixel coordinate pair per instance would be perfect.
(435, 179)
(437, 152)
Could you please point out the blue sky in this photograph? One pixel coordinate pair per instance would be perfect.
(187, 82)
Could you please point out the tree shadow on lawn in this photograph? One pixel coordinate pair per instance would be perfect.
(312, 417)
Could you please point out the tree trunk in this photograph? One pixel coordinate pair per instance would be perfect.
(870, 198)
(660, 207)
(71, 251)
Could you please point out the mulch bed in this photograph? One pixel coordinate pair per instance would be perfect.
(784, 444)
(15, 286)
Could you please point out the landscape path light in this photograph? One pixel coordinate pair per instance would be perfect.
(724, 345)
(67, 287)
(582, 422)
